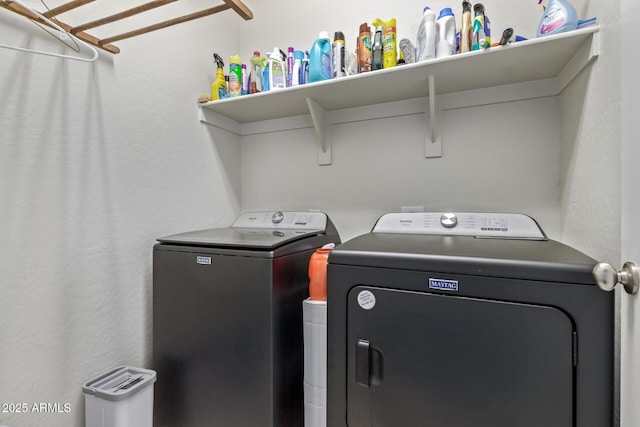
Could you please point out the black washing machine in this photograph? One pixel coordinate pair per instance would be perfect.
(466, 320)
(227, 321)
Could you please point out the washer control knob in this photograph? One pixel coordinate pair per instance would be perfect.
(277, 217)
(448, 220)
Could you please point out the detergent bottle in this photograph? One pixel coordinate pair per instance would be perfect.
(426, 41)
(559, 16)
(219, 85)
(320, 59)
(276, 70)
(445, 33)
(389, 44)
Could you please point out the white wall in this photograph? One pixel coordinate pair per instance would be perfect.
(96, 161)
(590, 108)
(534, 156)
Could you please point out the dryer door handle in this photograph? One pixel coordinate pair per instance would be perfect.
(369, 364)
(362, 362)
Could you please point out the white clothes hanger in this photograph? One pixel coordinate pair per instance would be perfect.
(62, 36)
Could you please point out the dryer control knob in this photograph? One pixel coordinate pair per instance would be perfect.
(448, 220)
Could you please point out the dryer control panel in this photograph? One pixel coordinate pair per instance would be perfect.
(488, 225)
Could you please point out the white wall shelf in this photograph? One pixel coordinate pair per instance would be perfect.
(556, 60)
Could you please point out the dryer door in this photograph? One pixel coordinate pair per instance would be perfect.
(419, 359)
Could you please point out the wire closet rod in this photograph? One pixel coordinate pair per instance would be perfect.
(62, 35)
(79, 31)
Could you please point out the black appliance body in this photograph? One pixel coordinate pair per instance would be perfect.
(466, 320)
(227, 321)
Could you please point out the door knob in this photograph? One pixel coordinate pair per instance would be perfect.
(607, 277)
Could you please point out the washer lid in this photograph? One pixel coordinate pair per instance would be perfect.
(256, 230)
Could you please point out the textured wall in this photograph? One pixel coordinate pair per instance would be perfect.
(96, 161)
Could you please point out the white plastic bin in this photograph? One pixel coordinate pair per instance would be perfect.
(120, 397)
(314, 315)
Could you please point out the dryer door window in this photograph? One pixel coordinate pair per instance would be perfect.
(417, 359)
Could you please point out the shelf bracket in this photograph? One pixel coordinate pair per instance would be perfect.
(433, 140)
(319, 117)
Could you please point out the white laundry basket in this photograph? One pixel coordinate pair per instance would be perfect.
(120, 397)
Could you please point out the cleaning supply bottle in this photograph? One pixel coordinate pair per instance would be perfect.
(426, 42)
(219, 86)
(320, 59)
(364, 48)
(304, 74)
(290, 62)
(486, 26)
(235, 76)
(478, 37)
(255, 78)
(277, 70)
(265, 78)
(389, 43)
(559, 16)
(465, 30)
(296, 75)
(245, 80)
(376, 50)
(445, 33)
(338, 55)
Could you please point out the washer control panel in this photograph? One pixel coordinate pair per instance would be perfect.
(490, 225)
(284, 220)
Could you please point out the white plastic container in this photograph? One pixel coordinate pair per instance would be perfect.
(426, 42)
(445, 33)
(120, 397)
(320, 67)
(277, 70)
(559, 16)
(314, 315)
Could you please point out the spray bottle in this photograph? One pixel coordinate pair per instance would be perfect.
(559, 16)
(364, 48)
(296, 75)
(255, 78)
(338, 55)
(290, 63)
(478, 37)
(389, 44)
(219, 86)
(376, 50)
(465, 30)
(304, 73)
